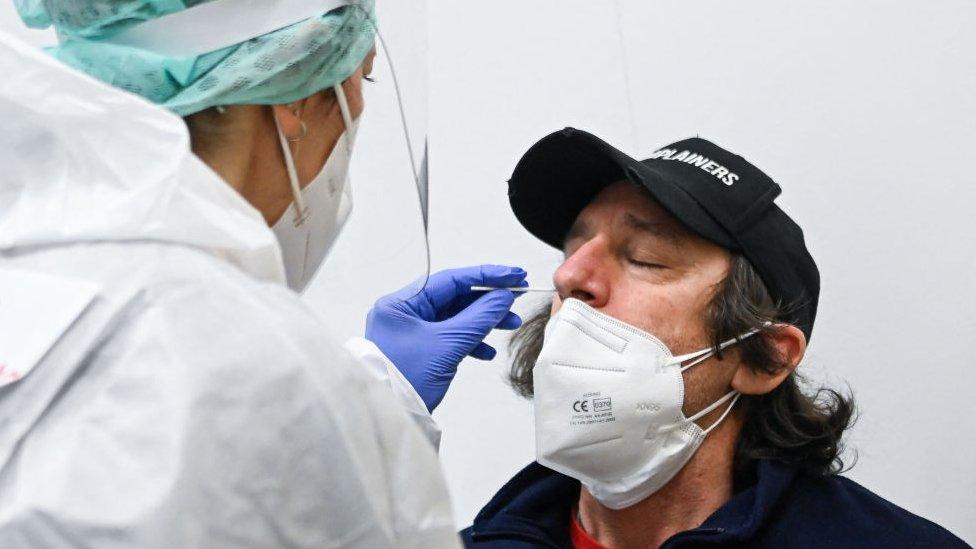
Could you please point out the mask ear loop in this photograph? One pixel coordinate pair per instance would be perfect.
(705, 354)
(301, 213)
(699, 357)
(734, 395)
(346, 114)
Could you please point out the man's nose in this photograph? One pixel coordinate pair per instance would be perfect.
(584, 275)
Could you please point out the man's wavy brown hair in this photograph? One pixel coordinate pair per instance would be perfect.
(793, 424)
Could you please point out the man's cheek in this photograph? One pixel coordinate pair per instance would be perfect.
(659, 315)
(557, 302)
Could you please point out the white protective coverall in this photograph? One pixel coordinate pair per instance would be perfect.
(159, 385)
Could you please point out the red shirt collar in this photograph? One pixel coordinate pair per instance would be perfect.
(579, 537)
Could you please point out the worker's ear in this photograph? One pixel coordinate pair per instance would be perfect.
(289, 119)
(789, 344)
(367, 65)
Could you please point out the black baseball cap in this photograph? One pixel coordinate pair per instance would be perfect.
(715, 193)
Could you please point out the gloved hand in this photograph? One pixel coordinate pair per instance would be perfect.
(427, 334)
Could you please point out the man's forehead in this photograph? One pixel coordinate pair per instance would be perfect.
(624, 202)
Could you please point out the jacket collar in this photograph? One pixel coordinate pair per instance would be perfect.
(535, 505)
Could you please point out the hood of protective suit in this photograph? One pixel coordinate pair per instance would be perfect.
(83, 161)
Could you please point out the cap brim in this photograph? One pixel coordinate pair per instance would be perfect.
(562, 173)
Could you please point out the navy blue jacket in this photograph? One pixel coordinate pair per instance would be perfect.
(781, 509)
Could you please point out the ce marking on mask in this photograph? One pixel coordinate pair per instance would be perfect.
(592, 408)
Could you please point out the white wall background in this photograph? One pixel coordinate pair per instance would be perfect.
(864, 112)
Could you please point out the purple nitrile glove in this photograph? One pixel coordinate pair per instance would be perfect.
(427, 334)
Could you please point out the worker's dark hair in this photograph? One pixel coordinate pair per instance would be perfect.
(790, 425)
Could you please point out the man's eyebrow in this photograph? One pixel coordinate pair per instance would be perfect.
(579, 229)
(666, 231)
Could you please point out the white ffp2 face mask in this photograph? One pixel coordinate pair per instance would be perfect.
(608, 400)
(313, 221)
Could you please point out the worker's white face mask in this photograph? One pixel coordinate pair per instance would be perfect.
(311, 224)
(608, 400)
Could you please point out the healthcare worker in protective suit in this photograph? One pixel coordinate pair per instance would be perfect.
(160, 384)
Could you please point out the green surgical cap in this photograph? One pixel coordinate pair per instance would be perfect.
(276, 68)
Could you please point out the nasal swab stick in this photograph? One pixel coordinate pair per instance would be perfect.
(512, 289)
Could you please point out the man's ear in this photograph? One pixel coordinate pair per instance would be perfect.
(789, 344)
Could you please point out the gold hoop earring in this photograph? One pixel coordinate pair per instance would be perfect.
(303, 134)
